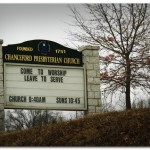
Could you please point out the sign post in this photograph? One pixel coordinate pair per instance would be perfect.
(92, 65)
(1, 90)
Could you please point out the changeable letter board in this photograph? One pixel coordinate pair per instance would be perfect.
(49, 81)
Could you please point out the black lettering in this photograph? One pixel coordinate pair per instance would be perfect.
(57, 72)
(77, 100)
(56, 79)
(61, 100)
(17, 98)
(30, 99)
(74, 100)
(42, 99)
(70, 100)
(44, 79)
(30, 78)
(40, 71)
(26, 70)
(37, 99)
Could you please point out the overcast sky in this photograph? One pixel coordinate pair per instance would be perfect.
(23, 22)
(28, 21)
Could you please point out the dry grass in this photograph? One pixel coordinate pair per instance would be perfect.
(127, 128)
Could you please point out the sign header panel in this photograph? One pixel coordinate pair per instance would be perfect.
(42, 52)
(44, 87)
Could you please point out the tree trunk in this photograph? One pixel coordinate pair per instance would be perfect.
(128, 75)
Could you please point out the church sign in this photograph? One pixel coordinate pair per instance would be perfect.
(42, 52)
(41, 74)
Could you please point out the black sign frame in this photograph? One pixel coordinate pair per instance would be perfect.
(42, 52)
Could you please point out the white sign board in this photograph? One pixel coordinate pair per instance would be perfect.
(44, 87)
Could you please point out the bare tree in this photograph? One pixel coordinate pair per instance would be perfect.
(141, 103)
(123, 33)
(21, 119)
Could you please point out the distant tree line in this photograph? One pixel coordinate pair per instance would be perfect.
(19, 119)
(141, 104)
